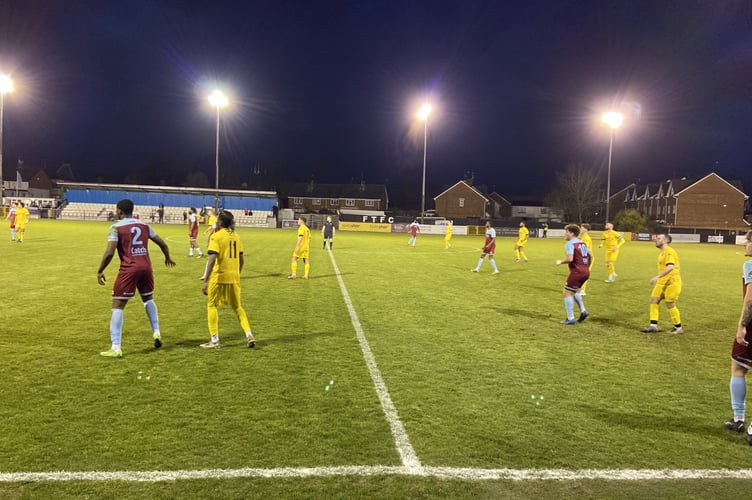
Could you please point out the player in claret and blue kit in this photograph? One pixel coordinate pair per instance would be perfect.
(489, 247)
(130, 237)
(577, 256)
(741, 352)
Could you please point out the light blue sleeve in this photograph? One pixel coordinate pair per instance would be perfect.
(569, 248)
(112, 235)
(747, 269)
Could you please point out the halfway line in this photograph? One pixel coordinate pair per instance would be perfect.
(401, 439)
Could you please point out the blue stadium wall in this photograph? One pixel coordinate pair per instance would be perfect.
(169, 199)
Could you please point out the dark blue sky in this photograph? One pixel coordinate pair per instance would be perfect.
(331, 88)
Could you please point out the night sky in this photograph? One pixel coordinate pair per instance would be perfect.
(330, 89)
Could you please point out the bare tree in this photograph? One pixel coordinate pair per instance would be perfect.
(578, 193)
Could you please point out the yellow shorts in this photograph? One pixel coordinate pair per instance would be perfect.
(668, 291)
(301, 254)
(520, 243)
(611, 256)
(223, 294)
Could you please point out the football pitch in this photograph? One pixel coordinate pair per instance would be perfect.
(394, 372)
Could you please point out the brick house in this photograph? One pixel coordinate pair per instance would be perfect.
(707, 203)
(501, 208)
(462, 201)
(532, 207)
(312, 197)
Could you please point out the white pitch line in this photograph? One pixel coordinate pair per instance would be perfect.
(399, 434)
(384, 470)
(585, 474)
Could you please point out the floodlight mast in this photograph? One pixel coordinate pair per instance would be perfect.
(423, 113)
(613, 120)
(219, 101)
(6, 86)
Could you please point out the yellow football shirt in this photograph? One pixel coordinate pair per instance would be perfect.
(588, 242)
(612, 238)
(668, 256)
(22, 217)
(523, 235)
(228, 247)
(212, 220)
(306, 241)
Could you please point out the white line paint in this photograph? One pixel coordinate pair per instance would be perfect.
(383, 470)
(584, 474)
(399, 434)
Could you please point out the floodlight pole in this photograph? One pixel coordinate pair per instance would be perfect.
(218, 100)
(2, 104)
(6, 85)
(608, 176)
(613, 120)
(216, 164)
(423, 191)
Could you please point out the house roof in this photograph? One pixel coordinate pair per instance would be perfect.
(531, 200)
(474, 189)
(498, 198)
(677, 185)
(681, 184)
(677, 192)
(314, 190)
(651, 190)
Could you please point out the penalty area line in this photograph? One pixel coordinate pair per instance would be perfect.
(384, 470)
(399, 434)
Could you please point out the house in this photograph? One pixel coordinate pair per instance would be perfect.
(41, 186)
(312, 197)
(462, 201)
(707, 203)
(531, 207)
(501, 208)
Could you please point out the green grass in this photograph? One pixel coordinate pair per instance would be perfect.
(460, 353)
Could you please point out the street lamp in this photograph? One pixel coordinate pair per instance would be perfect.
(613, 120)
(6, 86)
(218, 100)
(423, 113)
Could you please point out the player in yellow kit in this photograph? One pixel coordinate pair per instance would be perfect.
(222, 282)
(301, 251)
(448, 235)
(519, 247)
(22, 218)
(211, 227)
(613, 241)
(588, 241)
(667, 285)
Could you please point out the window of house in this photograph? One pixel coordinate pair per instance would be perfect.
(317, 201)
(370, 203)
(333, 202)
(349, 202)
(462, 202)
(297, 201)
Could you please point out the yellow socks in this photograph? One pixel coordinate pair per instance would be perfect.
(675, 316)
